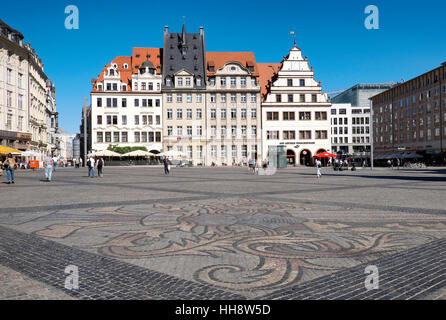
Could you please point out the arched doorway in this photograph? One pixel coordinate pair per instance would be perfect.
(305, 158)
(291, 157)
(324, 161)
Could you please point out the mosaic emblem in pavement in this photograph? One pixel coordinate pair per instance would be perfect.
(240, 244)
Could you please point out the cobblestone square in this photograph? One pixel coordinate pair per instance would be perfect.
(224, 233)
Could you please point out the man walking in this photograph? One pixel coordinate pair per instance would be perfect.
(9, 166)
(48, 163)
(166, 165)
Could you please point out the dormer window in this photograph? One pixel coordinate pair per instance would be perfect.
(126, 66)
(187, 81)
(199, 82)
(168, 81)
(180, 81)
(115, 65)
(124, 88)
(111, 72)
(100, 87)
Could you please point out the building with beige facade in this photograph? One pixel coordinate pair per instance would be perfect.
(233, 118)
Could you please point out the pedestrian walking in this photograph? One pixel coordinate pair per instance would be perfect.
(100, 164)
(81, 162)
(9, 165)
(54, 163)
(90, 164)
(318, 166)
(166, 165)
(48, 164)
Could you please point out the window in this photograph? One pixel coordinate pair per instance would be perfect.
(99, 102)
(342, 111)
(150, 120)
(223, 131)
(169, 114)
(233, 82)
(136, 120)
(136, 102)
(253, 113)
(179, 97)
(189, 151)
(169, 98)
(272, 116)
(223, 97)
(179, 113)
(189, 114)
(115, 87)
(223, 82)
(9, 76)
(179, 131)
(189, 130)
(109, 120)
(290, 82)
(305, 116)
(213, 151)
(143, 136)
(158, 102)
(20, 102)
(20, 80)
(233, 113)
(278, 98)
(213, 113)
(272, 135)
(198, 82)
(115, 102)
(187, 81)
(234, 151)
(243, 113)
(253, 81)
(115, 136)
(124, 137)
(99, 120)
(243, 81)
(108, 137)
(233, 131)
(169, 130)
(289, 116)
(124, 102)
(243, 97)
(188, 97)
(244, 150)
(199, 98)
(254, 130)
(244, 131)
(302, 98)
(305, 135)
(199, 113)
(180, 81)
(213, 131)
(290, 98)
(289, 135)
(144, 102)
(213, 97)
(313, 98)
(302, 82)
(199, 131)
(321, 134)
(233, 98)
(321, 115)
(253, 97)
(223, 151)
(99, 137)
(223, 113)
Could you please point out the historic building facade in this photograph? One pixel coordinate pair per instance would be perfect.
(52, 117)
(126, 102)
(14, 90)
(233, 115)
(184, 95)
(295, 112)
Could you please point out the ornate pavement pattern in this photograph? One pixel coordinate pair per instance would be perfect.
(229, 247)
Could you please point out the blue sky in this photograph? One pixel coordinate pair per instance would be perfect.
(410, 41)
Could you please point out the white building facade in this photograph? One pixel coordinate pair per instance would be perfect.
(127, 106)
(295, 113)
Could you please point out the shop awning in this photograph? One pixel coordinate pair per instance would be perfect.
(5, 150)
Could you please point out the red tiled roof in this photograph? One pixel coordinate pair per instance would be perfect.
(267, 72)
(139, 56)
(219, 59)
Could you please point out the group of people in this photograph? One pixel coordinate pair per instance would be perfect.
(92, 163)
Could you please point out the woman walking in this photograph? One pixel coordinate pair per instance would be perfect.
(100, 164)
(318, 166)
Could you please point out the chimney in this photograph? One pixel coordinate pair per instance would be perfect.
(201, 31)
(166, 29)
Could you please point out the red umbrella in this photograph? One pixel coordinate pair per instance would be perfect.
(325, 155)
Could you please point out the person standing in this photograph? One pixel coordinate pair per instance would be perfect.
(48, 163)
(54, 163)
(318, 166)
(166, 165)
(9, 166)
(100, 164)
(90, 164)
